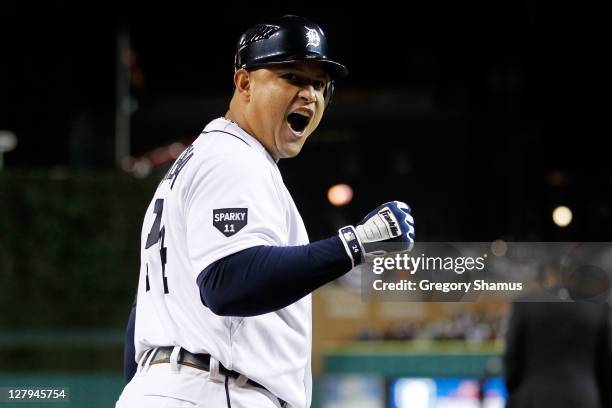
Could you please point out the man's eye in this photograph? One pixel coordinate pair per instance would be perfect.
(291, 77)
(301, 81)
(318, 85)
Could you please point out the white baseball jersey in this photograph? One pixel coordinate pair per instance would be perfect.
(224, 194)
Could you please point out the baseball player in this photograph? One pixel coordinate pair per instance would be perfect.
(223, 312)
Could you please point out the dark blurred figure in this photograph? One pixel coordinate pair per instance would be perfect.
(558, 345)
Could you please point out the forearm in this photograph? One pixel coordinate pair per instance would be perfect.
(263, 279)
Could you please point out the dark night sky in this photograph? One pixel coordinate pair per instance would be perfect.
(509, 89)
(59, 63)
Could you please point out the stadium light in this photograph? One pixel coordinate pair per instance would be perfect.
(8, 142)
(562, 216)
(340, 194)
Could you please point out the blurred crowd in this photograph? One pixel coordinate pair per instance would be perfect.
(466, 326)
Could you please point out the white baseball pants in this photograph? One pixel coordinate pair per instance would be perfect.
(179, 386)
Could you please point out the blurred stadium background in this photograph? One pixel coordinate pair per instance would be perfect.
(479, 116)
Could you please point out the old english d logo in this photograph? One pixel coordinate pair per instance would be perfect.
(230, 220)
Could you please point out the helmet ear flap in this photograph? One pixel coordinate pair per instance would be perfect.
(329, 93)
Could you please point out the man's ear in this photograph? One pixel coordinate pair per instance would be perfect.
(242, 83)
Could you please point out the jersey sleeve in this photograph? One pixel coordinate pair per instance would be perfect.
(231, 204)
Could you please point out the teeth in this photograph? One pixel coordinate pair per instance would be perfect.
(302, 114)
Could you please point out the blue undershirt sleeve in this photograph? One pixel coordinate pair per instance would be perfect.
(129, 352)
(263, 279)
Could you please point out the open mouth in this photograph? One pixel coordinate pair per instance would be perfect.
(298, 121)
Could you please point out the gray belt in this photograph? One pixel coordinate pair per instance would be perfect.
(201, 362)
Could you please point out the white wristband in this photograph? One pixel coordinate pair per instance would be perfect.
(352, 246)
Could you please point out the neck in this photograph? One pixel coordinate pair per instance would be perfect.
(236, 115)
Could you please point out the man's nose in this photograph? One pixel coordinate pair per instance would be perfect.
(308, 93)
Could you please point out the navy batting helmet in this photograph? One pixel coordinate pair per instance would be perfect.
(286, 40)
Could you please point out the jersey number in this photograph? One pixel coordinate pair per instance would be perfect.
(230, 229)
(156, 235)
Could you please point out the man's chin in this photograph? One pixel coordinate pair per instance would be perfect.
(290, 151)
(291, 148)
(289, 155)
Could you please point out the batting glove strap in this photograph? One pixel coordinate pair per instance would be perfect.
(352, 246)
